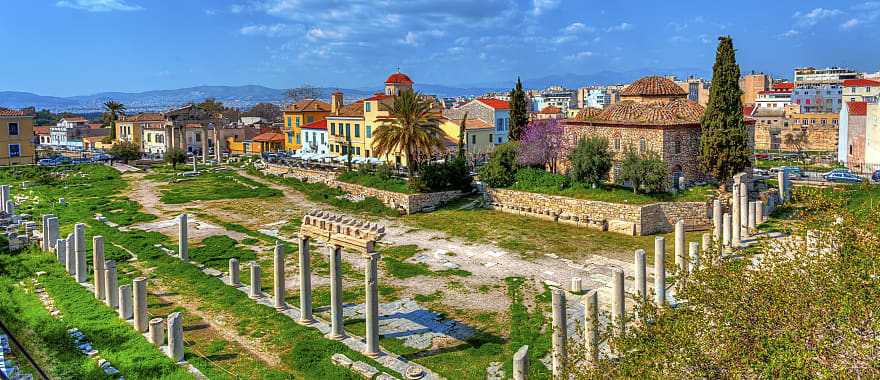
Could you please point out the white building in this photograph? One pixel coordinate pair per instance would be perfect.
(314, 138)
(773, 99)
(65, 132)
(154, 142)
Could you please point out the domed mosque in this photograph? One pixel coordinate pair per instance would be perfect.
(654, 114)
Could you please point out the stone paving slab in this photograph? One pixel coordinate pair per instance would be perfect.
(413, 324)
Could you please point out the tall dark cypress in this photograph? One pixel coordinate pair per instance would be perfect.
(724, 149)
(519, 115)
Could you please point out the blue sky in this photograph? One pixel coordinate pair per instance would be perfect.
(75, 47)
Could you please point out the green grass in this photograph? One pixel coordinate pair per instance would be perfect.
(396, 185)
(213, 186)
(116, 341)
(321, 193)
(539, 181)
(527, 328)
(215, 252)
(393, 259)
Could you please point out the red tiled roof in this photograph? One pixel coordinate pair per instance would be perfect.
(588, 113)
(41, 130)
(399, 78)
(320, 124)
(782, 86)
(9, 112)
(495, 103)
(269, 137)
(309, 105)
(552, 110)
(747, 110)
(775, 92)
(193, 126)
(860, 82)
(96, 126)
(857, 108)
(653, 86)
(380, 96)
(472, 124)
(146, 116)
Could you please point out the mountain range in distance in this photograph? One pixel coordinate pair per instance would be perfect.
(244, 97)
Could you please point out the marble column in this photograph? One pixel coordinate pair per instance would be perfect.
(521, 364)
(706, 245)
(4, 196)
(256, 279)
(735, 236)
(53, 231)
(98, 266)
(781, 177)
(694, 254)
(182, 236)
(278, 280)
(140, 304)
(217, 155)
(305, 282)
(744, 205)
(175, 337)
(61, 252)
(371, 304)
(125, 307)
(659, 270)
(618, 303)
(110, 288)
(716, 220)
(591, 326)
(577, 285)
(204, 145)
(79, 238)
(157, 332)
(234, 272)
(759, 213)
(641, 275)
(10, 208)
(70, 243)
(337, 330)
(752, 214)
(728, 230)
(45, 243)
(679, 246)
(560, 333)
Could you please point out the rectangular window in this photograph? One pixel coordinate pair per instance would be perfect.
(499, 124)
(367, 153)
(322, 138)
(332, 128)
(357, 130)
(298, 139)
(289, 121)
(310, 119)
(490, 138)
(366, 106)
(369, 131)
(473, 139)
(297, 121)
(347, 130)
(14, 150)
(357, 150)
(13, 129)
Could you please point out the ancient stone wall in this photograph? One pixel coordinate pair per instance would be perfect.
(615, 217)
(409, 203)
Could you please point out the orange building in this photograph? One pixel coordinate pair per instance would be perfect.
(298, 114)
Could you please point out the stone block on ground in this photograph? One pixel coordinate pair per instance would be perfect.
(341, 360)
(364, 369)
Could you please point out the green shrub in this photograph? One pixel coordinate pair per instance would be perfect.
(532, 178)
(590, 161)
(502, 166)
(443, 176)
(645, 172)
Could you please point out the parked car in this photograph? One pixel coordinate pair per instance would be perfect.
(762, 156)
(835, 170)
(101, 157)
(876, 176)
(760, 172)
(47, 162)
(844, 177)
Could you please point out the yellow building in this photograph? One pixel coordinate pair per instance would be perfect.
(360, 120)
(16, 138)
(301, 113)
(477, 135)
(131, 128)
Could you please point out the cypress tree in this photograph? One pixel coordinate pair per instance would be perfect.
(519, 115)
(724, 149)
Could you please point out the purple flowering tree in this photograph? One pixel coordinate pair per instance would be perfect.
(542, 144)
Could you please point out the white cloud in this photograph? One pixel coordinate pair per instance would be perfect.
(579, 56)
(275, 30)
(790, 33)
(99, 5)
(624, 26)
(851, 23)
(539, 7)
(814, 16)
(316, 34)
(417, 38)
(578, 27)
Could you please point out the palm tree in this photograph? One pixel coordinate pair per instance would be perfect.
(410, 129)
(112, 110)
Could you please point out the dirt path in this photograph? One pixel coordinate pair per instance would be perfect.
(220, 322)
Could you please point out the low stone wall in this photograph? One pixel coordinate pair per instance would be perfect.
(627, 219)
(408, 203)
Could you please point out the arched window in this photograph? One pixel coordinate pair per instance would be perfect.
(617, 143)
(643, 145)
(677, 146)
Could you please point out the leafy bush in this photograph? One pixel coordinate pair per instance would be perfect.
(443, 176)
(377, 180)
(646, 171)
(175, 156)
(532, 178)
(125, 151)
(502, 166)
(590, 161)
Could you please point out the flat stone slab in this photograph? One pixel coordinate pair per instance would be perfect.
(413, 324)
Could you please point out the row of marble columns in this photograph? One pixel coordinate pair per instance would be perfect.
(129, 301)
(730, 229)
(6, 200)
(337, 331)
(688, 260)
